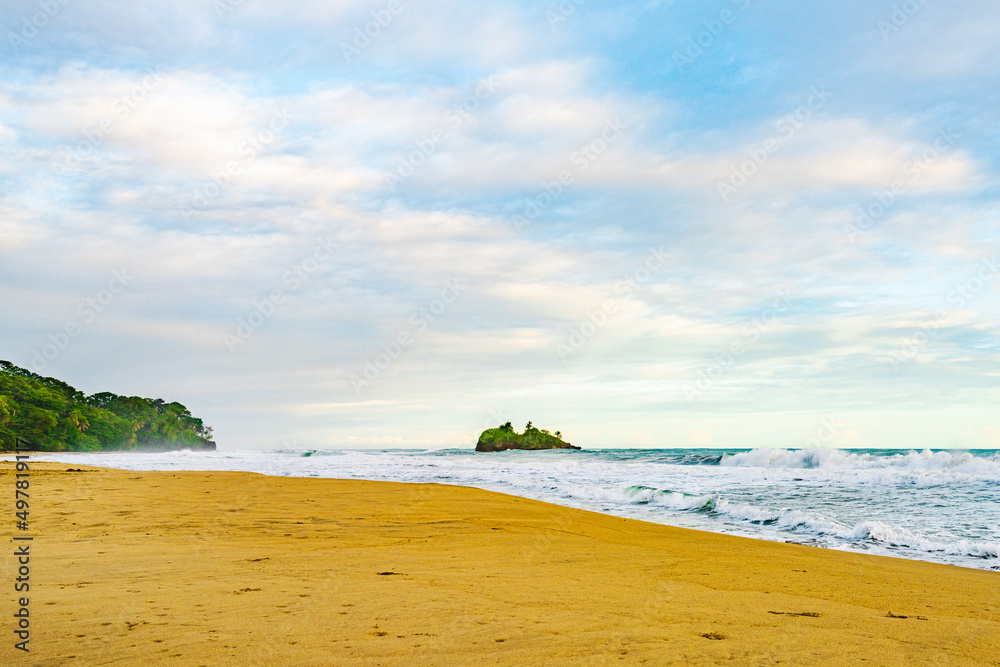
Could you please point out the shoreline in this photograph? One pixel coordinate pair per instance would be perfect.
(244, 568)
(886, 529)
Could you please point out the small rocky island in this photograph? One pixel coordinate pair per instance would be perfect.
(505, 437)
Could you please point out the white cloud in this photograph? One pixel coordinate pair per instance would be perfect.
(547, 94)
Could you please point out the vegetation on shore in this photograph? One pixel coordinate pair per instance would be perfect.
(505, 437)
(52, 416)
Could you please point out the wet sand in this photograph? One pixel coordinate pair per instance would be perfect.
(242, 569)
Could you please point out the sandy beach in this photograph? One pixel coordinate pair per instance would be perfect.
(243, 569)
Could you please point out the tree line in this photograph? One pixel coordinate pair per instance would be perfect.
(53, 416)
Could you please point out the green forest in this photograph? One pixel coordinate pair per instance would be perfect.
(52, 416)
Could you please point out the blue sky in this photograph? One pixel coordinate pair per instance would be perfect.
(645, 224)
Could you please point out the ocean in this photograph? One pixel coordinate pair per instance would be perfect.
(934, 505)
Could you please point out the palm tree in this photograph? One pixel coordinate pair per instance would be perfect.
(133, 439)
(79, 421)
(7, 410)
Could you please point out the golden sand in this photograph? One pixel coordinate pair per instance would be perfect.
(241, 569)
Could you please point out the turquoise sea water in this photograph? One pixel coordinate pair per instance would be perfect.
(935, 505)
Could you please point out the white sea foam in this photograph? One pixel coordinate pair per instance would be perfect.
(807, 523)
(837, 459)
(942, 506)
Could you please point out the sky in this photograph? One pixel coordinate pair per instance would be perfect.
(379, 224)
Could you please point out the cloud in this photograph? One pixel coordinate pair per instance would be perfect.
(211, 155)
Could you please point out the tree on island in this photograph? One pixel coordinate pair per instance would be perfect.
(505, 437)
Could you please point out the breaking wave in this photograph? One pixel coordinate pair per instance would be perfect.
(837, 459)
(804, 522)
